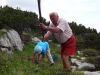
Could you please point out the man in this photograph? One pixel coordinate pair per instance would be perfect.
(42, 48)
(63, 33)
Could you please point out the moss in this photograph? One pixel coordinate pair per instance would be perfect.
(1, 33)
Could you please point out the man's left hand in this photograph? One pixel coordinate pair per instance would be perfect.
(42, 25)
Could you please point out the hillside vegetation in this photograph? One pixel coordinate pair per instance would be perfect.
(24, 20)
(20, 62)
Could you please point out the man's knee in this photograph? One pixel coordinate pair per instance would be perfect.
(65, 58)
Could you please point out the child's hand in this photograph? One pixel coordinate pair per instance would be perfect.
(43, 39)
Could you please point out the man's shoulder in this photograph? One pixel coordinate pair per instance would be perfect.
(62, 19)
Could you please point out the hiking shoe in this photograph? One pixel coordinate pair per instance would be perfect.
(52, 64)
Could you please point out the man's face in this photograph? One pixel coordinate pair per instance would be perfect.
(54, 19)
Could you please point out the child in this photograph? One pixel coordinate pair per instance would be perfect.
(42, 48)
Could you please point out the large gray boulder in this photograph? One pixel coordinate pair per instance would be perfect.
(10, 39)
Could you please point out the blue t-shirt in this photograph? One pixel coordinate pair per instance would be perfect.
(44, 46)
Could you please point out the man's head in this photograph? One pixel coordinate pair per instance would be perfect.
(37, 49)
(54, 17)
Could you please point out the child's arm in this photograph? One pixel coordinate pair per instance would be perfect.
(34, 57)
(42, 57)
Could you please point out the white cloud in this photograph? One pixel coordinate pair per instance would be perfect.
(3, 2)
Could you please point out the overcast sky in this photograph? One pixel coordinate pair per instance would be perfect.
(85, 12)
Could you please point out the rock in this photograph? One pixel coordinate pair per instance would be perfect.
(81, 65)
(16, 40)
(92, 73)
(87, 66)
(35, 40)
(10, 38)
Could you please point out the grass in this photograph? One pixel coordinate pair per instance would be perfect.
(19, 63)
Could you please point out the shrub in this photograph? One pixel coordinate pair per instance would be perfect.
(93, 60)
(1, 33)
(90, 52)
(80, 43)
(26, 39)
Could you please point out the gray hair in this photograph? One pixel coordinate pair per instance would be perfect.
(53, 13)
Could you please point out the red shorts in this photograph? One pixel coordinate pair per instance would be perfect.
(69, 47)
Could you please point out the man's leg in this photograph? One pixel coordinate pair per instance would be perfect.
(65, 61)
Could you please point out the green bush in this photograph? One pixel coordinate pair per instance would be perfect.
(90, 52)
(93, 60)
(1, 33)
(80, 43)
(26, 39)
